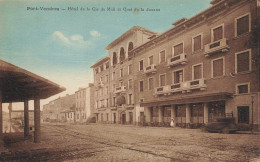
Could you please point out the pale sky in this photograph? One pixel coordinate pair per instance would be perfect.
(62, 45)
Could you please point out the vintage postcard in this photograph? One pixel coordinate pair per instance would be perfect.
(129, 80)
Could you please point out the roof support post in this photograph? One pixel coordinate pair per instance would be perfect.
(26, 118)
(37, 119)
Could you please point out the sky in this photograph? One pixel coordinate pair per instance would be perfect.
(62, 45)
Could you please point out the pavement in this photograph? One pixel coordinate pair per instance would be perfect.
(109, 142)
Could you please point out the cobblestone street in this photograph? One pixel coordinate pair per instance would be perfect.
(62, 142)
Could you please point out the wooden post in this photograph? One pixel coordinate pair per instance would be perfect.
(37, 120)
(26, 118)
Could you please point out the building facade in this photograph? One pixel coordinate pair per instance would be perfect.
(203, 68)
(55, 110)
(84, 104)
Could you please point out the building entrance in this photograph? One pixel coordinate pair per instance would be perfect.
(123, 118)
(243, 114)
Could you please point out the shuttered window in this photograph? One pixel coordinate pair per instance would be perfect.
(196, 43)
(150, 60)
(150, 84)
(217, 67)
(243, 62)
(162, 80)
(141, 86)
(178, 49)
(162, 56)
(217, 33)
(197, 72)
(141, 65)
(242, 25)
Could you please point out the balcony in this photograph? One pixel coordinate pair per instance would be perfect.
(181, 87)
(215, 47)
(120, 89)
(100, 84)
(150, 69)
(162, 90)
(176, 87)
(176, 60)
(194, 84)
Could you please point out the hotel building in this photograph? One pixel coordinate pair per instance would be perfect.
(203, 68)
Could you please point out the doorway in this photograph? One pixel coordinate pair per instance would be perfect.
(243, 114)
(123, 118)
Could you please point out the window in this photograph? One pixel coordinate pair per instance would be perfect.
(197, 43)
(107, 65)
(197, 72)
(130, 47)
(141, 86)
(130, 84)
(242, 88)
(101, 68)
(217, 67)
(141, 65)
(162, 80)
(177, 76)
(242, 24)
(150, 84)
(217, 33)
(107, 89)
(150, 60)
(114, 87)
(114, 101)
(113, 75)
(107, 103)
(178, 49)
(122, 54)
(141, 100)
(114, 58)
(121, 73)
(121, 84)
(130, 99)
(162, 56)
(243, 61)
(129, 69)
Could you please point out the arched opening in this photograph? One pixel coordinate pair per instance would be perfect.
(122, 54)
(114, 58)
(130, 47)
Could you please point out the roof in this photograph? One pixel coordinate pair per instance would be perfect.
(18, 84)
(102, 60)
(184, 23)
(127, 33)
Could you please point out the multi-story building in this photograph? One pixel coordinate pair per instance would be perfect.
(113, 77)
(54, 110)
(84, 104)
(203, 68)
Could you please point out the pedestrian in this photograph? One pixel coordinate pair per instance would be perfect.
(172, 122)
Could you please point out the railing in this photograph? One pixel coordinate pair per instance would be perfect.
(150, 69)
(176, 60)
(217, 46)
(120, 89)
(183, 87)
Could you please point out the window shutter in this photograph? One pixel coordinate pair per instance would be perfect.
(242, 25)
(217, 33)
(178, 49)
(197, 43)
(243, 62)
(197, 72)
(218, 68)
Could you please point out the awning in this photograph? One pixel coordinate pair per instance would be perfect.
(120, 100)
(18, 84)
(190, 99)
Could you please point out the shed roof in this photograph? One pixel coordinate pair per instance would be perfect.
(18, 84)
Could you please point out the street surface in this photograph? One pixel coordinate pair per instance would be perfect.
(96, 142)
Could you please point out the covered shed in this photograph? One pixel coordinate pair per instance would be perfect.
(20, 85)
